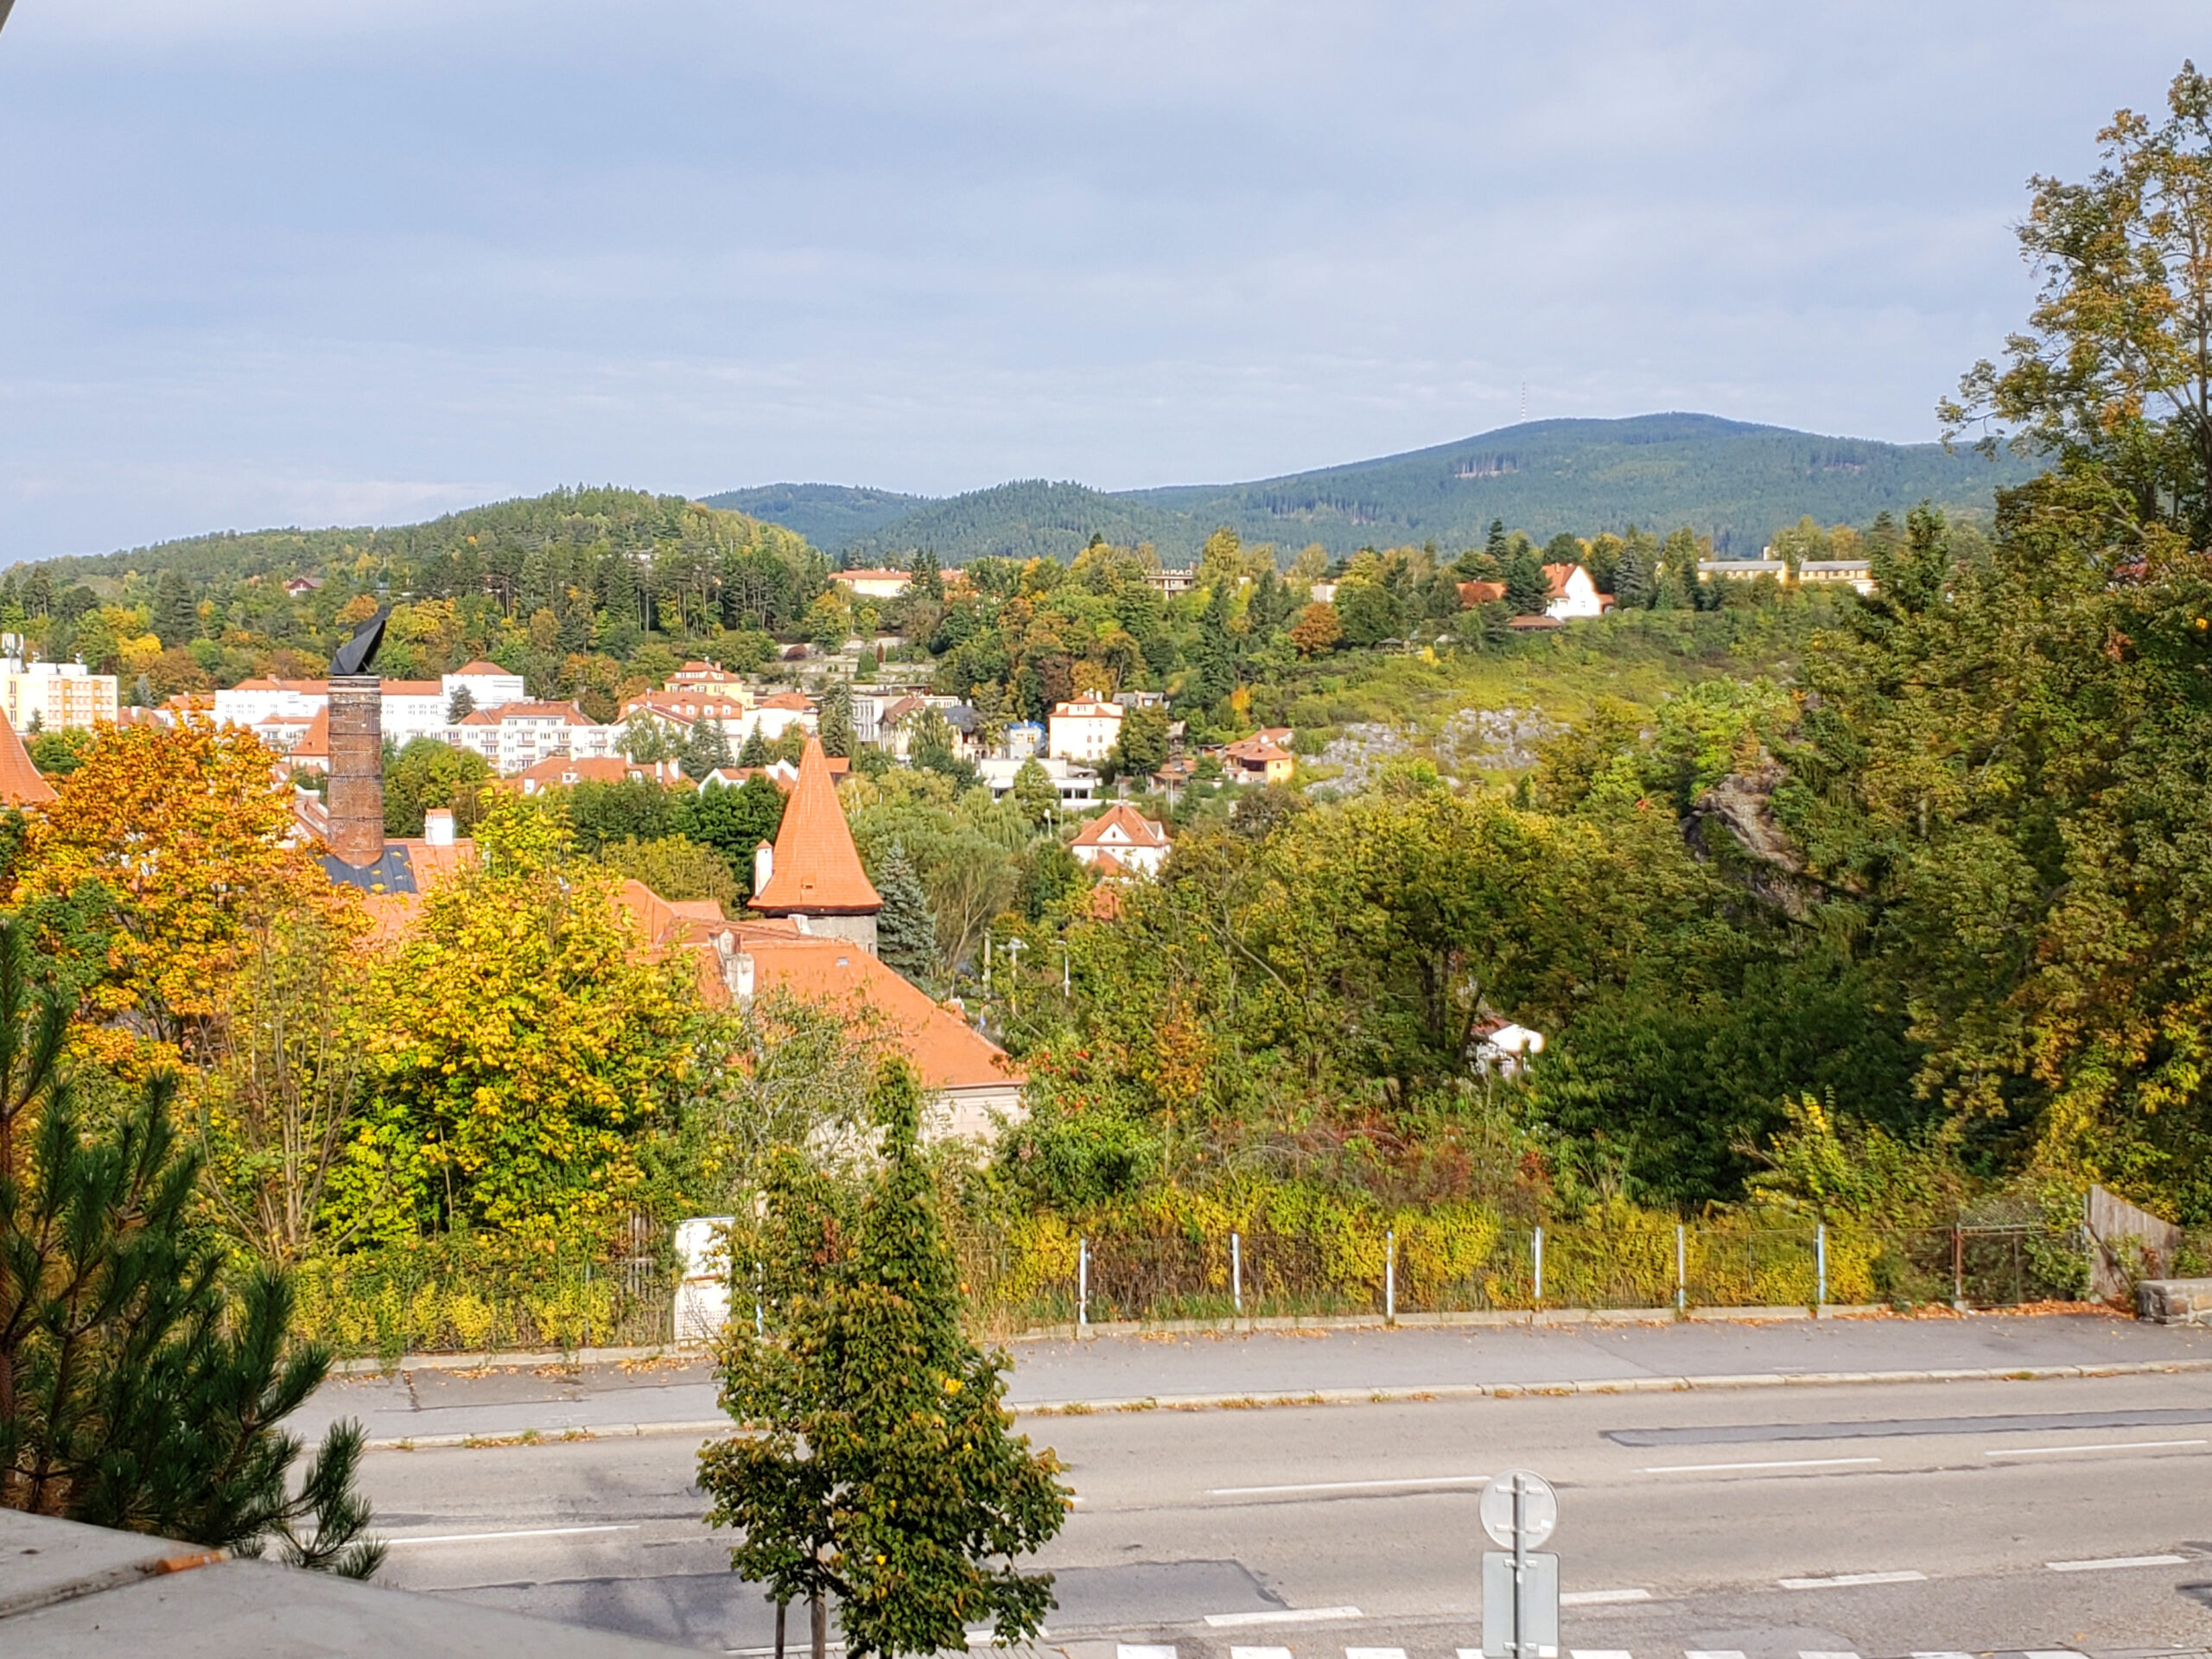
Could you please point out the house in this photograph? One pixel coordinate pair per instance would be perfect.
(782, 773)
(1504, 1048)
(1077, 785)
(566, 772)
(1085, 729)
(1322, 593)
(413, 709)
(300, 586)
(677, 712)
(813, 872)
(700, 679)
(1858, 573)
(1023, 738)
(1742, 570)
(1172, 583)
(774, 715)
(1574, 595)
(1122, 840)
(488, 685)
(872, 584)
(1257, 759)
(250, 702)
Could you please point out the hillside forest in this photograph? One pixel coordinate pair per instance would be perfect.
(1868, 909)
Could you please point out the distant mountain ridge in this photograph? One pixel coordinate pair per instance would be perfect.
(1737, 481)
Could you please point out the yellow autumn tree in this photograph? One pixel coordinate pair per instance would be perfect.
(166, 854)
(527, 1050)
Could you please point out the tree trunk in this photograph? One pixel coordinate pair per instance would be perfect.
(818, 1616)
(782, 1608)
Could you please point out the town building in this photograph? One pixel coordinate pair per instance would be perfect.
(1574, 595)
(677, 712)
(1023, 738)
(1858, 573)
(1085, 729)
(566, 772)
(1259, 758)
(700, 679)
(515, 736)
(57, 696)
(813, 874)
(1742, 570)
(1172, 583)
(872, 584)
(488, 685)
(1077, 785)
(1121, 841)
(21, 784)
(774, 715)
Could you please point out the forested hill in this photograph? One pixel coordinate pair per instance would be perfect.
(458, 553)
(1737, 481)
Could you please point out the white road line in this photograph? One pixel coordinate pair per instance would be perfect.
(1598, 1598)
(1944, 1653)
(1283, 1616)
(1258, 1653)
(1601, 1652)
(528, 1532)
(1781, 1463)
(2062, 1451)
(1714, 1653)
(1815, 1653)
(1141, 1651)
(1843, 1580)
(1350, 1486)
(2116, 1560)
(1375, 1653)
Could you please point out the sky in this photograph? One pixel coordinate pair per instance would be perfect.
(366, 261)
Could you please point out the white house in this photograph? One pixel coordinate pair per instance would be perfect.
(872, 584)
(677, 712)
(251, 703)
(1573, 595)
(516, 736)
(1085, 729)
(772, 716)
(1505, 1048)
(1122, 839)
(1077, 785)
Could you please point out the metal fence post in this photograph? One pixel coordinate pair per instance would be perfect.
(1536, 1248)
(1820, 1262)
(1958, 1265)
(1082, 1286)
(1236, 1272)
(1681, 1268)
(1391, 1276)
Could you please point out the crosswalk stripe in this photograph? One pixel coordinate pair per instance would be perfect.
(1715, 1653)
(1258, 1653)
(1141, 1651)
(1375, 1653)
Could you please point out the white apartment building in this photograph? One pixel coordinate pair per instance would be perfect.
(253, 704)
(1085, 729)
(57, 696)
(489, 686)
(516, 736)
(413, 709)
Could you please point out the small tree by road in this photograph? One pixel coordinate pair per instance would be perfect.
(877, 1469)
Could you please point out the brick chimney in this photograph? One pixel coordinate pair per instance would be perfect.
(356, 794)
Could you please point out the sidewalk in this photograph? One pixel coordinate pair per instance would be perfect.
(433, 1406)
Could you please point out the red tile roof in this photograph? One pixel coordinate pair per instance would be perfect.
(816, 870)
(20, 782)
(558, 769)
(789, 700)
(480, 668)
(1558, 575)
(1137, 830)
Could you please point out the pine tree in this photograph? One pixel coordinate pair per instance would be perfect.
(878, 1467)
(460, 706)
(706, 748)
(753, 752)
(1526, 589)
(905, 929)
(835, 724)
(176, 618)
(134, 1391)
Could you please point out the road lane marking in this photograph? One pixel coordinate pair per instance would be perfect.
(1601, 1652)
(2114, 1445)
(2117, 1562)
(1283, 1616)
(1778, 1463)
(1845, 1580)
(1714, 1653)
(1258, 1653)
(1598, 1598)
(1816, 1653)
(1375, 1653)
(527, 1532)
(1350, 1485)
(1143, 1650)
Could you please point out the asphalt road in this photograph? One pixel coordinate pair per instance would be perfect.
(2019, 1516)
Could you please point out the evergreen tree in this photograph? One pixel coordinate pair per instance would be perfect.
(835, 724)
(1495, 543)
(905, 930)
(1526, 589)
(1678, 563)
(1636, 579)
(176, 618)
(877, 1467)
(925, 580)
(460, 706)
(755, 751)
(134, 1391)
(1214, 675)
(706, 748)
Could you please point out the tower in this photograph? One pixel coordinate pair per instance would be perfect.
(813, 872)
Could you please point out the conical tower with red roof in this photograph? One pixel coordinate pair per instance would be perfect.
(813, 872)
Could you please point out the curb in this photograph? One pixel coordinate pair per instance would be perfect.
(1405, 1396)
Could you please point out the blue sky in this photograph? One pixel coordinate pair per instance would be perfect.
(343, 261)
